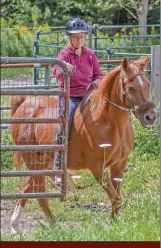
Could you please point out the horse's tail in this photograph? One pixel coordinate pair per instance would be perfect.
(16, 101)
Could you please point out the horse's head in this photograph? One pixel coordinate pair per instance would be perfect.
(136, 89)
(127, 88)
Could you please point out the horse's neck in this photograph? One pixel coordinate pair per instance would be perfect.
(115, 92)
(95, 107)
(119, 119)
(100, 111)
(111, 115)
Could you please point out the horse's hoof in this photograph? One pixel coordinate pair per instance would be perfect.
(126, 169)
(14, 230)
(15, 219)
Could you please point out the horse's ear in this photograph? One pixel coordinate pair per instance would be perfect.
(143, 63)
(125, 64)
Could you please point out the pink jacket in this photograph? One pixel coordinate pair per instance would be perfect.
(87, 69)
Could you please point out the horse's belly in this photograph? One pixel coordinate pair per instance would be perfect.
(76, 164)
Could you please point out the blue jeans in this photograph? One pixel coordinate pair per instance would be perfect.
(73, 103)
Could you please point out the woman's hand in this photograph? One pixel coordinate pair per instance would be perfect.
(70, 68)
(96, 82)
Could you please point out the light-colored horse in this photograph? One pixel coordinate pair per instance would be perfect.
(103, 117)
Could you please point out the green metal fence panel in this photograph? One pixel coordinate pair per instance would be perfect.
(108, 42)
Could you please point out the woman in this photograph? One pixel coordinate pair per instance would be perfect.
(82, 65)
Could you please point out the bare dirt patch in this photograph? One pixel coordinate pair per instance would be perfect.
(29, 221)
(95, 207)
(17, 81)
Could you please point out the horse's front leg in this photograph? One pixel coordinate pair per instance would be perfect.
(116, 179)
(105, 181)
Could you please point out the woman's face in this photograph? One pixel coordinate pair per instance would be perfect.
(77, 40)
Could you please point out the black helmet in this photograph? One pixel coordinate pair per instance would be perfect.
(76, 25)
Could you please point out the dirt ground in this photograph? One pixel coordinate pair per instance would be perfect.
(29, 221)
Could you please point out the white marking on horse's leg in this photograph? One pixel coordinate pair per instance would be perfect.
(105, 145)
(15, 219)
(140, 80)
(117, 179)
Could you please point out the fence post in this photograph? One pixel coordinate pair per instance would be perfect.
(155, 77)
(36, 53)
(95, 28)
(155, 72)
(57, 39)
(47, 75)
(89, 35)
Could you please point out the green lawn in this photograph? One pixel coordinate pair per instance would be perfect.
(78, 218)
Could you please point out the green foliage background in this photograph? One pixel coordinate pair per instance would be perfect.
(19, 40)
(57, 12)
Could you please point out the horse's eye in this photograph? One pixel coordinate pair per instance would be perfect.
(131, 89)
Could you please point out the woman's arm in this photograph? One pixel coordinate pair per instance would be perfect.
(57, 70)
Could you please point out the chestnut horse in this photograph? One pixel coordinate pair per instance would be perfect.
(103, 117)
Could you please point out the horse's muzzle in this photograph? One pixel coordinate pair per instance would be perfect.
(146, 113)
(147, 118)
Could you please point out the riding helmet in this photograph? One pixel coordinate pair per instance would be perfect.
(76, 25)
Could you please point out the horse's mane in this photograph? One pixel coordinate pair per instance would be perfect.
(94, 102)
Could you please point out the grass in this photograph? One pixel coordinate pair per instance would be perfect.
(140, 220)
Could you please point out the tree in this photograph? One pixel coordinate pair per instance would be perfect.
(139, 10)
(58, 12)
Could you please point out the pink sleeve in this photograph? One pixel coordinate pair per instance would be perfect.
(97, 73)
(57, 70)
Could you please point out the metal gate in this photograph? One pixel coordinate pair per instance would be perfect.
(32, 90)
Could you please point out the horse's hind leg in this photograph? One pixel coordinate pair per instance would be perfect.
(16, 217)
(32, 184)
(44, 203)
(37, 184)
(105, 181)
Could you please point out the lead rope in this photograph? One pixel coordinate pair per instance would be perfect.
(116, 105)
